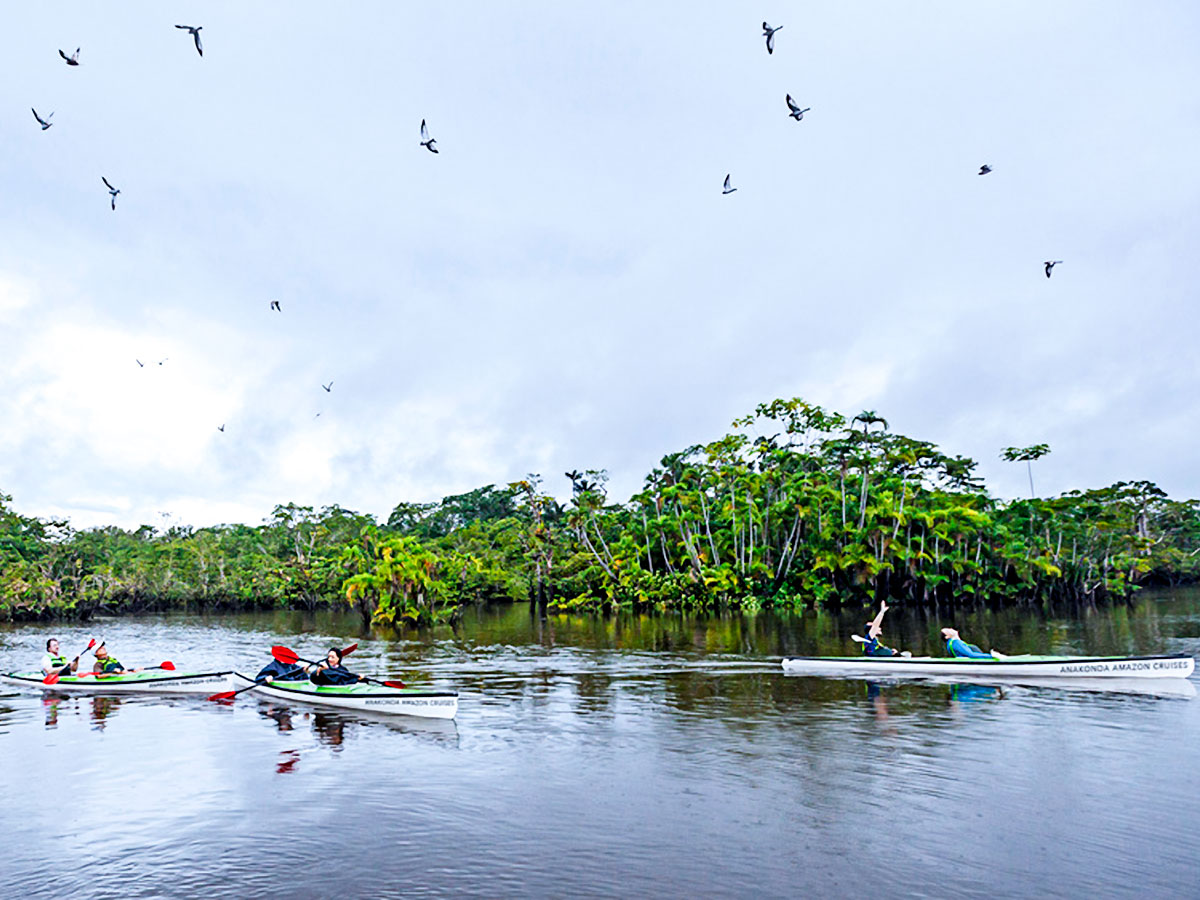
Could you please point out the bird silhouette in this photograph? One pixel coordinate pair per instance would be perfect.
(727, 189)
(194, 31)
(1050, 264)
(221, 428)
(112, 190)
(769, 33)
(426, 141)
(328, 387)
(141, 365)
(163, 360)
(984, 169)
(73, 59)
(796, 112)
(275, 306)
(45, 123)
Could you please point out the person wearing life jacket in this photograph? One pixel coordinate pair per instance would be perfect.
(281, 671)
(54, 661)
(871, 644)
(332, 671)
(960, 649)
(107, 664)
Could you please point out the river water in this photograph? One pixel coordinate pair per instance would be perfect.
(628, 756)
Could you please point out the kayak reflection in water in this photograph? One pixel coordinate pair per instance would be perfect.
(960, 649)
(107, 664)
(871, 644)
(332, 671)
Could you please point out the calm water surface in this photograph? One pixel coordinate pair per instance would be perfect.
(609, 757)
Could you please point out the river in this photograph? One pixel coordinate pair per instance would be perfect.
(628, 756)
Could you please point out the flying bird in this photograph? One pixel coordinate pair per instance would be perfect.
(141, 365)
(796, 112)
(426, 140)
(45, 123)
(163, 360)
(769, 33)
(984, 169)
(194, 31)
(113, 191)
(727, 189)
(221, 428)
(328, 387)
(73, 59)
(1050, 264)
(275, 306)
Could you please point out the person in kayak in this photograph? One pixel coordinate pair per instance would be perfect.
(871, 644)
(331, 671)
(54, 661)
(282, 671)
(960, 649)
(107, 664)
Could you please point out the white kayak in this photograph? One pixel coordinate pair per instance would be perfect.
(365, 697)
(150, 682)
(1178, 665)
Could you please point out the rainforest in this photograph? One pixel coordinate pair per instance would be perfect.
(826, 510)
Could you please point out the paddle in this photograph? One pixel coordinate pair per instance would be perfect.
(229, 695)
(53, 677)
(165, 664)
(284, 655)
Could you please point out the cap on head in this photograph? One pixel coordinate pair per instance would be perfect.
(949, 633)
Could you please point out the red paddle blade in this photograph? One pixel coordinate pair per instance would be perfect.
(346, 651)
(395, 684)
(283, 654)
(224, 695)
(52, 678)
(168, 665)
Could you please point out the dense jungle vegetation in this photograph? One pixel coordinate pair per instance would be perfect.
(826, 510)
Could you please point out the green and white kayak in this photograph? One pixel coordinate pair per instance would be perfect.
(149, 682)
(1177, 665)
(373, 698)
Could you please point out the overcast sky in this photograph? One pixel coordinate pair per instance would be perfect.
(564, 285)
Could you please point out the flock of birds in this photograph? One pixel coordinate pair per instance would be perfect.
(797, 113)
(194, 32)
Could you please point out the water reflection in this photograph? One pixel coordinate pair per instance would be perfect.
(102, 708)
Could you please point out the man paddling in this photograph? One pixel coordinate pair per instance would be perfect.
(54, 661)
(960, 649)
(107, 664)
(283, 671)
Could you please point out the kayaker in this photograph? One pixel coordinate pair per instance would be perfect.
(282, 671)
(107, 664)
(332, 671)
(871, 644)
(960, 649)
(54, 661)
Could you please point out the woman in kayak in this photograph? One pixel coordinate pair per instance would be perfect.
(960, 649)
(107, 664)
(871, 644)
(54, 661)
(332, 671)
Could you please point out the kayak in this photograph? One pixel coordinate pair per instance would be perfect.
(364, 697)
(1176, 665)
(156, 682)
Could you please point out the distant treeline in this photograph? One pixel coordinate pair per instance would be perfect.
(826, 510)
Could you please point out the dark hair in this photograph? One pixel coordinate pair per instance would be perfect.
(49, 641)
(336, 652)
